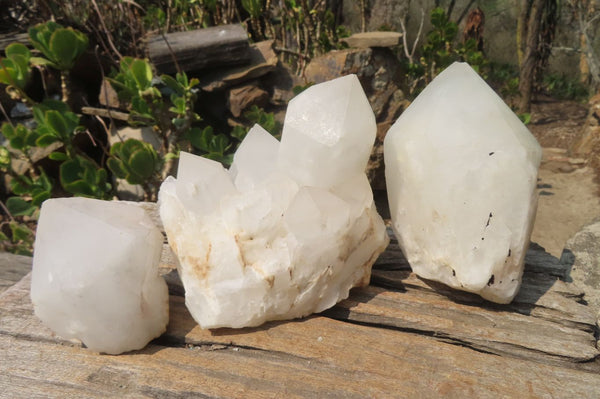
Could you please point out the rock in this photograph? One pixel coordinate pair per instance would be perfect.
(291, 227)
(373, 39)
(146, 134)
(378, 69)
(558, 161)
(20, 111)
(108, 96)
(262, 61)
(282, 81)
(582, 254)
(588, 145)
(243, 97)
(376, 166)
(95, 274)
(461, 173)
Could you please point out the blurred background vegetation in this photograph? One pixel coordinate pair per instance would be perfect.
(520, 47)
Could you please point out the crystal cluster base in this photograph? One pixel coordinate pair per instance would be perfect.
(291, 227)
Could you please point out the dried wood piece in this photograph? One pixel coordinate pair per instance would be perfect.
(200, 49)
(12, 269)
(12, 37)
(315, 356)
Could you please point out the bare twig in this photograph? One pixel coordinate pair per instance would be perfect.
(465, 12)
(5, 209)
(292, 52)
(179, 70)
(106, 113)
(106, 31)
(410, 53)
(5, 114)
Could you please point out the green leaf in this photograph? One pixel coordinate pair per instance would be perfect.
(31, 137)
(20, 232)
(79, 187)
(40, 197)
(17, 206)
(239, 132)
(142, 73)
(58, 156)
(20, 187)
(17, 49)
(43, 62)
(17, 142)
(5, 158)
(39, 36)
(55, 105)
(128, 148)
(142, 163)
(219, 144)
(89, 174)
(525, 118)
(66, 45)
(172, 84)
(116, 167)
(70, 171)
(57, 122)
(8, 130)
(201, 138)
(44, 181)
(45, 140)
(14, 71)
(3, 237)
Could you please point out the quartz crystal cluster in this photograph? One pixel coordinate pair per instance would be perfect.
(95, 274)
(291, 226)
(461, 172)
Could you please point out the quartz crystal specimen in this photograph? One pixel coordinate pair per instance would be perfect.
(461, 172)
(291, 226)
(95, 274)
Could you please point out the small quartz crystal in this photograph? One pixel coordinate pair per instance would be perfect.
(95, 274)
(291, 227)
(461, 173)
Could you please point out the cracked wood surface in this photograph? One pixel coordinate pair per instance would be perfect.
(399, 337)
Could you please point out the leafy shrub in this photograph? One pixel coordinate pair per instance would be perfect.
(440, 50)
(564, 88)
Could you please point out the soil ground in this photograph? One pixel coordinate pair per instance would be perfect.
(568, 192)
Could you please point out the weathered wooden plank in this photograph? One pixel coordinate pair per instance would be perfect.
(158, 372)
(437, 339)
(313, 357)
(199, 49)
(540, 296)
(544, 323)
(12, 269)
(495, 331)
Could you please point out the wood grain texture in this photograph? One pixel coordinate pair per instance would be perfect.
(313, 357)
(402, 336)
(12, 269)
(200, 49)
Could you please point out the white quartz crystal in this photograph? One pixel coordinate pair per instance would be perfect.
(95, 274)
(291, 227)
(461, 172)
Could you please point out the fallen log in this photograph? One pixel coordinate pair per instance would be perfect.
(199, 49)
